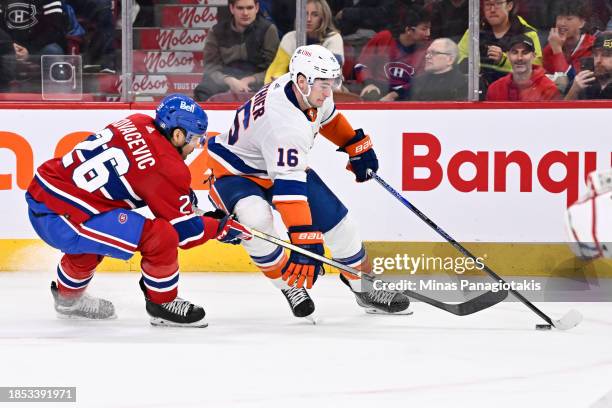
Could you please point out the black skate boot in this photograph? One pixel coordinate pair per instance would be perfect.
(300, 302)
(380, 301)
(177, 313)
(82, 307)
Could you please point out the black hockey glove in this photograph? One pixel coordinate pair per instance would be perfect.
(230, 231)
(361, 156)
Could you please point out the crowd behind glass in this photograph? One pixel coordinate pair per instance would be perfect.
(390, 50)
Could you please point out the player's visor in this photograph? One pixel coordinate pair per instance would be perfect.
(328, 83)
(197, 136)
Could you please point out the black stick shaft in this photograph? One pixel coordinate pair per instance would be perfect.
(457, 245)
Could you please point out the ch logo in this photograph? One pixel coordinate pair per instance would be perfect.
(21, 16)
(399, 71)
(123, 218)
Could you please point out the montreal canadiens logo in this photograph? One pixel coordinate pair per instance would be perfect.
(399, 72)
(123, 218)
(21, 16)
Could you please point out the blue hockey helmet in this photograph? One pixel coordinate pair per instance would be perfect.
(180, 111)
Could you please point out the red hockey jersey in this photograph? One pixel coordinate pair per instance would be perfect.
(129, 164)
(539, 89)
(560, 63)
(384, 61)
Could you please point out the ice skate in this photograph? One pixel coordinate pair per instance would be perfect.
(300, 302)
(82, 307)
(177, 313)
(381, 301)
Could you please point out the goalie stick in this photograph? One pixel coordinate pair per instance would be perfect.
(474, 305)
(569, 320)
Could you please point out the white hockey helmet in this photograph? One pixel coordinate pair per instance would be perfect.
(315, 62)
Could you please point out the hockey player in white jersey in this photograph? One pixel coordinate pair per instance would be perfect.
(263, 161)
(589, 220)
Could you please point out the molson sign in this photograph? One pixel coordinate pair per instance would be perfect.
(168, 61)
(189, 17)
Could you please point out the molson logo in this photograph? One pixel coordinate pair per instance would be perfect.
(528, 166)
(197, 16)
(169, 61)
(184, 39)
(152, 84)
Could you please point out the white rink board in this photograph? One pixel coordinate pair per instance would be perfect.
(508, 216)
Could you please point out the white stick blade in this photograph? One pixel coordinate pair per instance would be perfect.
(570, 320)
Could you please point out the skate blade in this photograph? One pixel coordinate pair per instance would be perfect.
(312, 318)
(371, 310)
(77, 317)
(156, 321)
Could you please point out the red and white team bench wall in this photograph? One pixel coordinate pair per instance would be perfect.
(497, 177)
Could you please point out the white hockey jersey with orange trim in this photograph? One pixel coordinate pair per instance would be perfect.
(270, 140)
(589, 220)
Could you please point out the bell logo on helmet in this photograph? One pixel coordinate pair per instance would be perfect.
(188, 107)
(180, 111)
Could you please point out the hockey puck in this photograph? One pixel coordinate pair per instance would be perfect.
(543, 327)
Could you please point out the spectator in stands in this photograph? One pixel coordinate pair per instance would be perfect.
(391, 58)
(449, 18)
(498, 27)
(567, 41)
(442, 80)
(595, 84)
(319, 30)
(526, 82)
(371, 15)
(7, 61)
(237, 52)
(100, 51)
(38, 27)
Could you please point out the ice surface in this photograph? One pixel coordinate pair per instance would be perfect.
(256, 354)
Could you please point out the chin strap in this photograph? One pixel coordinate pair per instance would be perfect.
(305, 96)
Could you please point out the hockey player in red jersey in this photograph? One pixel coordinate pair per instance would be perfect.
(83, 202)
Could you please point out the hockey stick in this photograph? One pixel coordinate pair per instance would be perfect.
(474, 305)
(569, 320)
